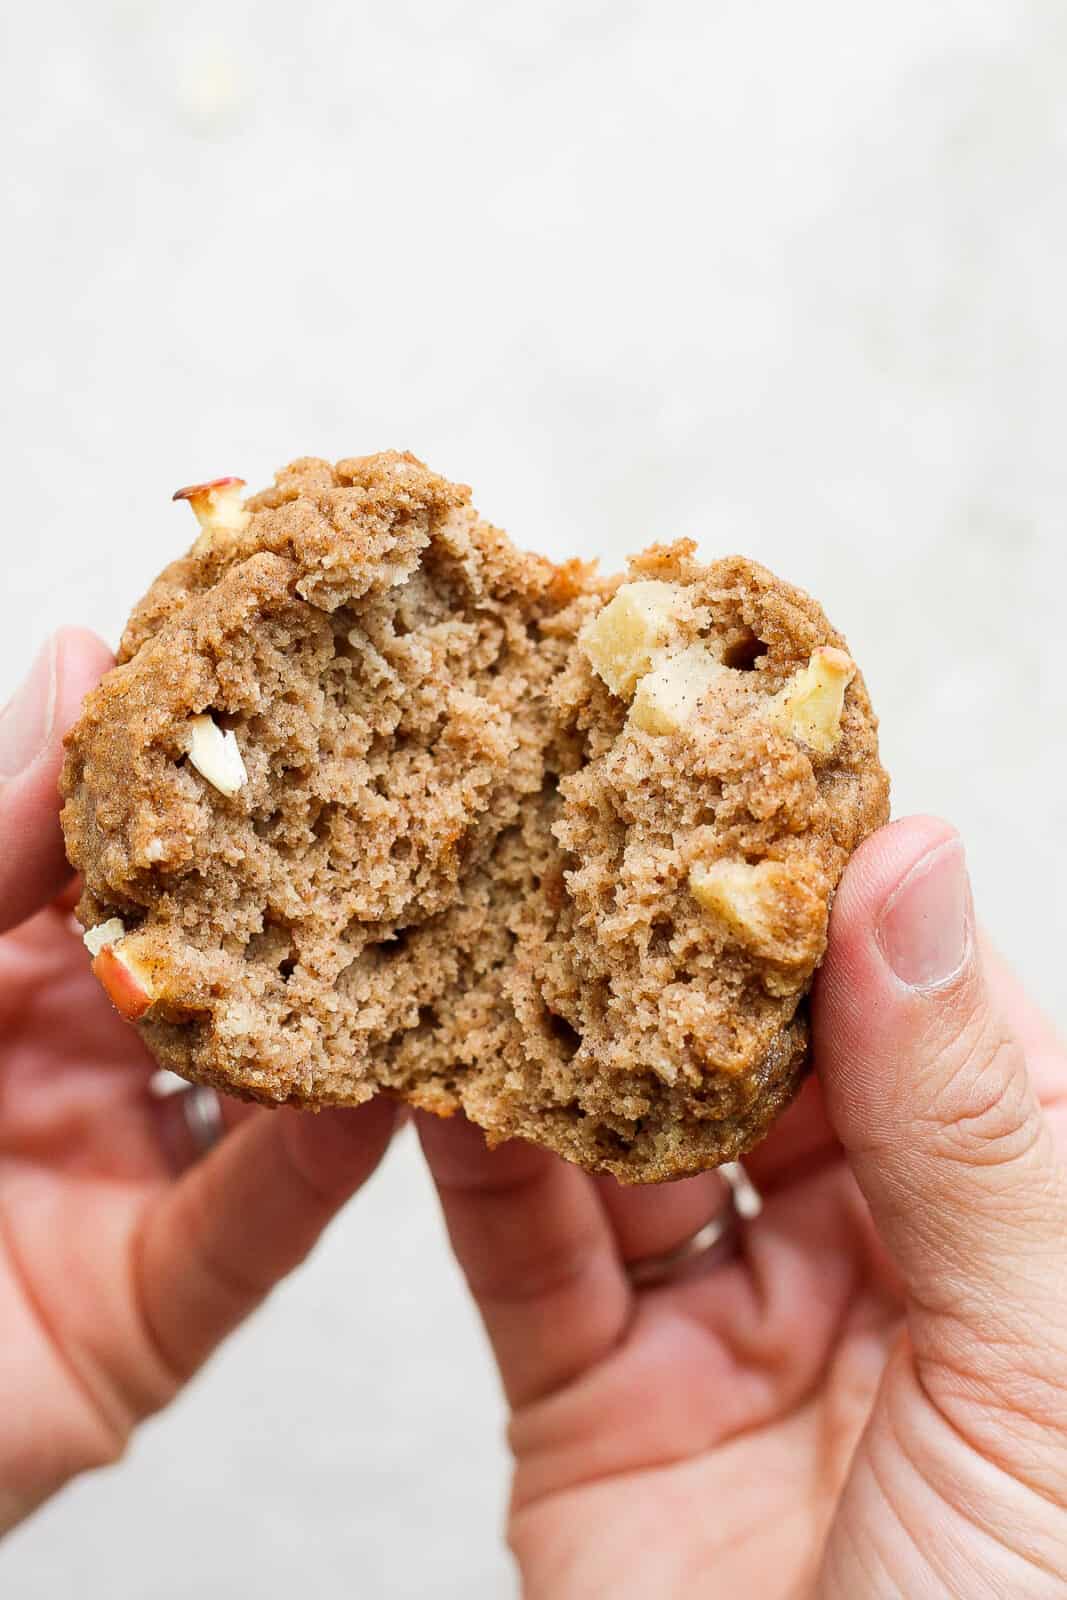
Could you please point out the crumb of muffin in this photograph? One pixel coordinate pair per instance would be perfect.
(375, 802)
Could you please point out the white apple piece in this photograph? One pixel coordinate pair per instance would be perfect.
(622, 639)
(809, 706)
(219, 510)
(216, 755)
(667, 696)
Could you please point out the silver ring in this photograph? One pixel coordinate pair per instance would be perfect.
(718, 1236)
(202, 1114)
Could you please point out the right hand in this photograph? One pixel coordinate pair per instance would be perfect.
(872, 1399)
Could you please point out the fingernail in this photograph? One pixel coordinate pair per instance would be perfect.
(26, 721)
(925, 927)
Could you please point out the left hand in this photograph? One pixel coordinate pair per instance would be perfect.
(119, 1274)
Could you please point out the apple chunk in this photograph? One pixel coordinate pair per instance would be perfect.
(216, 755)
(105, 933)
(809, 707)
(218, 506)
(624, 636)
(125, 982)
(769, 907)
(667, 697)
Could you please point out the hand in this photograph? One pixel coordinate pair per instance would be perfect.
(871, 1400)
(117, 1277)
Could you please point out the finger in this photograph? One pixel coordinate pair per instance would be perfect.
(929, 1092)
(69, 895)
(1046, 1057)
(538, 1252)
(800, 1143)
(215, 1244)
(654, 1219)
(190, 1121)
(33, 867)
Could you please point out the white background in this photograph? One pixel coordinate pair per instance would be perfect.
(788, 278)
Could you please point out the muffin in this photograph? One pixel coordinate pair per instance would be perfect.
(375, 802)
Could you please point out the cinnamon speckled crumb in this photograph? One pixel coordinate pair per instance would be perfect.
(462, 869)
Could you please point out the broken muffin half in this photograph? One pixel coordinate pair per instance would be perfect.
(375, 802)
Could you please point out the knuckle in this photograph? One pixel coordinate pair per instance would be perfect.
(980, 1110)
(106, 1448)
(1008, 1409)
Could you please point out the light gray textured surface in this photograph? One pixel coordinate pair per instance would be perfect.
(787, 278)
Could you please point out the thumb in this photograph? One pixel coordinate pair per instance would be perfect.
(928, 1089)
(33, 868)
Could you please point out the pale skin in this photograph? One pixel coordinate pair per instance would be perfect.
(868, 1398)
